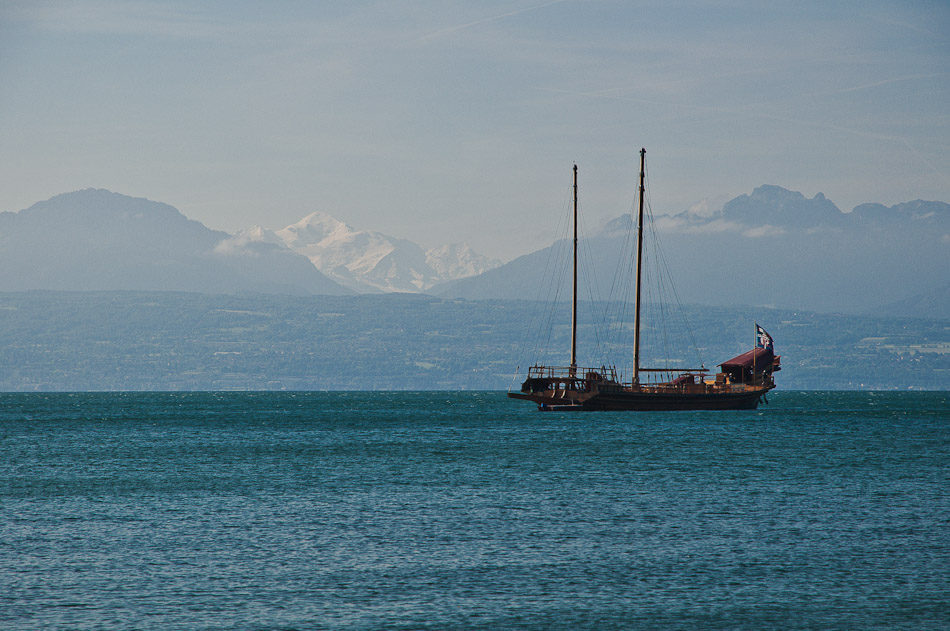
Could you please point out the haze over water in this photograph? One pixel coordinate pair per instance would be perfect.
(467, 510)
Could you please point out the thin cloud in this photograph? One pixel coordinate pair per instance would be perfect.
(460, 27)
(105, 17)
(876, 84)
(766, 230)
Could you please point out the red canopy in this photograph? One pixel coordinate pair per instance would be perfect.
(758, 357)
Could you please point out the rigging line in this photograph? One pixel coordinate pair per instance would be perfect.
(586, 278)
(651, 313)
(659, 344)
(617, 271)
(667, 277)
(618, 298)
(557, 273)
(628, 280)
(627, 298)
(664, 285)
(590, 279)
(543, 293)
(619, 294)
(680, 309)
(659, 303)
(662, 309)
(627, 310)
(534, 333)
(598, 307)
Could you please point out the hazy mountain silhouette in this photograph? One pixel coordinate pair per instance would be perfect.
(933, 303)
(98, 240)
(776, 206)
(774, 247)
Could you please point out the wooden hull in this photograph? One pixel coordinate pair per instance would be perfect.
(630, 400)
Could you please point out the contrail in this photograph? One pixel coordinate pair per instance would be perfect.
(494, 18)
(868, 86)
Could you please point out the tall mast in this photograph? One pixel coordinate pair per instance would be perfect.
(574, 293)
(636, 330)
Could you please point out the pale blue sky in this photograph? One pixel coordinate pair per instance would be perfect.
(451, 121)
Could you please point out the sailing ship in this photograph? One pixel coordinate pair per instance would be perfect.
(741, 383)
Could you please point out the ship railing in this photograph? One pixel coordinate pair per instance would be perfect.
(672, 376)
(696, 380)
(564, 373)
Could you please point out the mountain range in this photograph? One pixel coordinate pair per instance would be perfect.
(95, 239)
(98, 240)
(773, 247)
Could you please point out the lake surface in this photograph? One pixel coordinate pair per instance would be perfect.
(822, 510)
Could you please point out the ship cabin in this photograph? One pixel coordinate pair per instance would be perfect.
(753, 367)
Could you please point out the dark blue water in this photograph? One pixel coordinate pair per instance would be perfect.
(471, 511)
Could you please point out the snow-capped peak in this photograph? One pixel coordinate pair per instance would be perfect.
(313, 229)
(244, 238)
(458, 260)
(371, 261)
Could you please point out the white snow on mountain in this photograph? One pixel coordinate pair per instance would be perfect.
(365, 260)
(458, 260)
(245, 240)
(331, 245)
